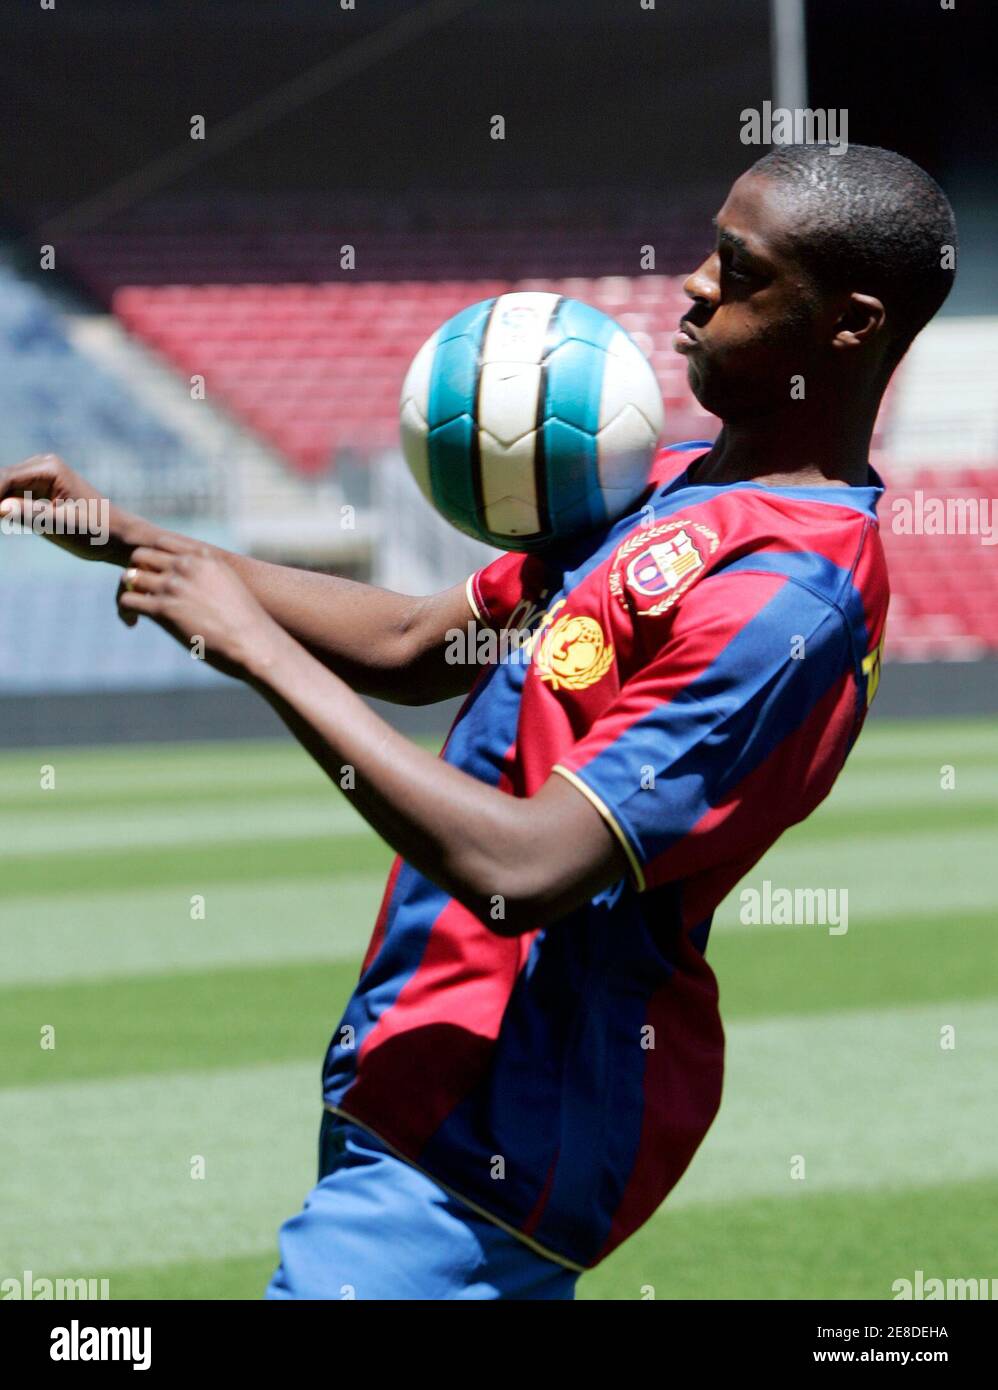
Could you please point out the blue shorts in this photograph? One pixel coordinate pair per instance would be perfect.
(375, 1227)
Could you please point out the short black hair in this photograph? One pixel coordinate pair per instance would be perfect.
(872, 221)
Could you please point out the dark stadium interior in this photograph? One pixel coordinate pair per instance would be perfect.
(607, 108)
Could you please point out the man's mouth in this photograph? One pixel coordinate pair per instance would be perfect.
(685, 338)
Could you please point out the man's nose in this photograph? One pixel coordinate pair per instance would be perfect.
(704, 283)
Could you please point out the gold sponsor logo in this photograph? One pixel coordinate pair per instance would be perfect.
(571, 652)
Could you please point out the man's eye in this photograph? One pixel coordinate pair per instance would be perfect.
(738, 272)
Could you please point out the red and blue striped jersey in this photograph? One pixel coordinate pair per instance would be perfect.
(699, 672)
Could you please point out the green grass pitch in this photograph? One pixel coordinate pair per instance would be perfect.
(854, 1145)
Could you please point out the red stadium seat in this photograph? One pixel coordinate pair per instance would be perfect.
(945, 586)
(318, 367)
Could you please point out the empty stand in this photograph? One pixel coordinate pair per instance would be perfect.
(944, 587)
(314, 368)
(232, 239)
(54, 399)
(317, 368)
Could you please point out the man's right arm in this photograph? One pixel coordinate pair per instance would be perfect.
(381, 643)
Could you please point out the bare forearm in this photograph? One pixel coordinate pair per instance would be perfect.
(490, 850)
(540, 855)
(463, 834)
(366, 635)
(381, 643)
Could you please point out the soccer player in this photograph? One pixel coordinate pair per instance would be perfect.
(533, 1050)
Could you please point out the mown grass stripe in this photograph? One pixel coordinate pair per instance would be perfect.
(194, 866)
(893, 787)
(838, 1245)
(969, 758)
(909, 737)
(99, 1174)
(884, 875)
(94, 1175)
(867, 1098)
(903, 739)
(842, 821)
(234, 971)
(147, 767)
(158, 784)
(130, 765)
(195, 1020)
(824, 1246)
(769, 971)
(145, 827)
(35, 828)
(883, 746)
(46, 940)
(865, 787)
(221, 794)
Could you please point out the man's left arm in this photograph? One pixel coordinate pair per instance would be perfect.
(541, 855)
(532, 858)
(733, 729)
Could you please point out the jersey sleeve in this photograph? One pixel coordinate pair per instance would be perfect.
(733, 729)
(495, 591)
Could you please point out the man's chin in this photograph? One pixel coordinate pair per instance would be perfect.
(717, 393)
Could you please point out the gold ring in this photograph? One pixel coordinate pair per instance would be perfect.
(129, 580)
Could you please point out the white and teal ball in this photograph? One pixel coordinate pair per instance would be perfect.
(530, 418)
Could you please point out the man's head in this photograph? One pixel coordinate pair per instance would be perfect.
(826, 265)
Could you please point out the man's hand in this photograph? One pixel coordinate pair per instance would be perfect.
(198, 599)
(385, 644)
(54, 489)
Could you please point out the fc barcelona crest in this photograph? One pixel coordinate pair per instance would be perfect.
(657, 564)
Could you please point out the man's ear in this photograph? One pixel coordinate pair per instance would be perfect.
(863, 317)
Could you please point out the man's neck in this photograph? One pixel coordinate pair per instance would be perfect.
(805, 448)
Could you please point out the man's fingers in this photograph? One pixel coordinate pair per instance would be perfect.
(40, 510)
(138, 579)
(134, 601)
(128, 618)
(33, 474)
(146, 558)
(19, 509)
(173, 544)
(137, 582)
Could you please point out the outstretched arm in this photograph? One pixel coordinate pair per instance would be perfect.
(382, 643)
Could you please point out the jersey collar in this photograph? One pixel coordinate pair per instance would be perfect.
(862, 499)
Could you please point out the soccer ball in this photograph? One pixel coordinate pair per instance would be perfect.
(530, 418)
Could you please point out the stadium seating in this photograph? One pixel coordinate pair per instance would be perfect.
(55, 399)
(60, 633)
(235, 240)
(317, 367)
(944, 603)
